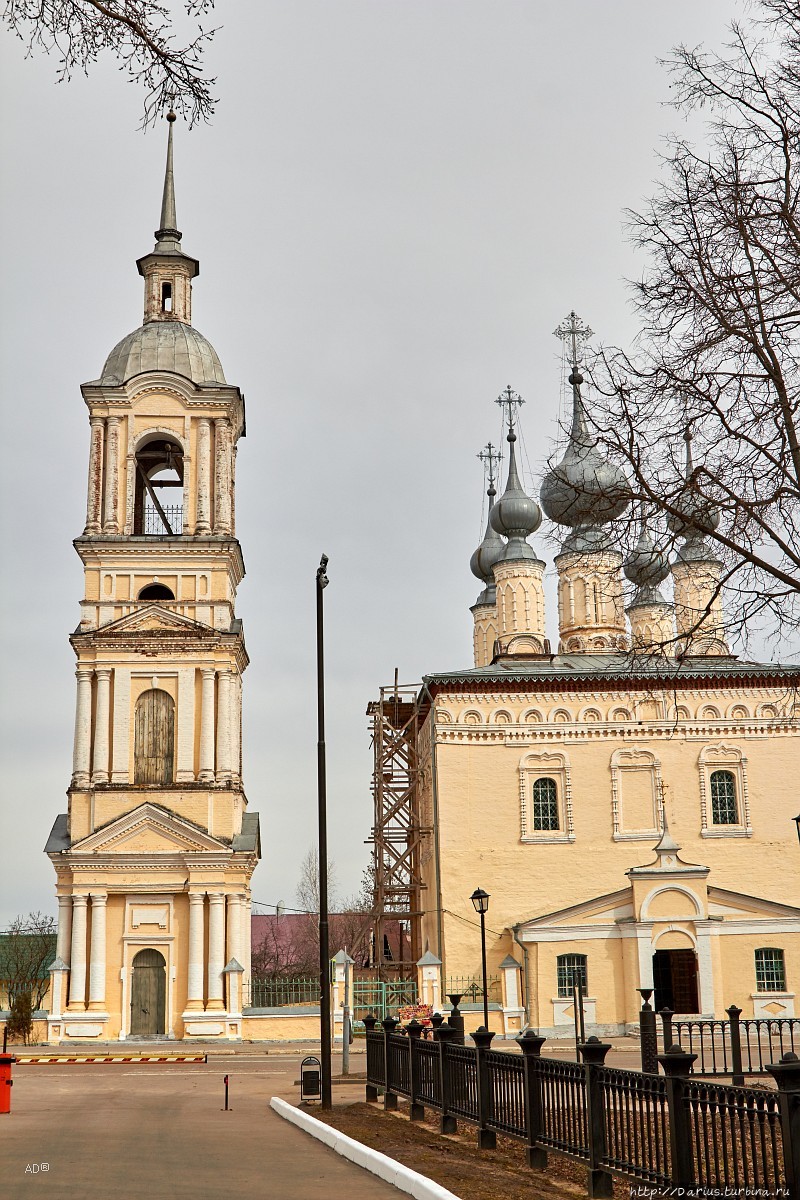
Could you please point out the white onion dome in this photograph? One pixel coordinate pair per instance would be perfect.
(515, 515)
(584, 491)
(646, 567)
(488, 553)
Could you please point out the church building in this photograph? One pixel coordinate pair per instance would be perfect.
(154, 855)
(627, 799)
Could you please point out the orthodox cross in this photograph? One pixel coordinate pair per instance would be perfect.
(576, 332)
(491, 460)
(509, 401)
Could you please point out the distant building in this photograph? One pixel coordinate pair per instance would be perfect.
(626, 801)
(155, 852)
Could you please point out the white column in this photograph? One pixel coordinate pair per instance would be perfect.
(224, 727)
(94, 499)
(97, 956)
(184, 768)
(216, 949)
(194, 999)
(207, 726)
(222, 480)
(111, 520)
(83, 728)
(235, 914)
(120, 769)
(705, 971)
(77, 975)
(101, 720)
(64, 935)
(203, 507)
(247, 941)
(235, 724)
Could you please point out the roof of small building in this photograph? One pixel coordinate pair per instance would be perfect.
(607, 668)
(163, 346)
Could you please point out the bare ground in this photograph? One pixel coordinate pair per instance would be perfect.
(454, 1161)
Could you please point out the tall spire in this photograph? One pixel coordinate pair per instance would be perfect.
(169, 221)
(168, 270)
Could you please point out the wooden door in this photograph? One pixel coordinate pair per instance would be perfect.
(148, 994)
(683, 966)
(154, 738)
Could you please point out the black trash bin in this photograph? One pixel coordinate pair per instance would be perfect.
(310, 1078)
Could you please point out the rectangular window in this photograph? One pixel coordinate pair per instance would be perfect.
(770, 970)
(545, 804)
(568, 967)
(723, 798)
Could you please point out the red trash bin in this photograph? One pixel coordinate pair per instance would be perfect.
(6, 1082)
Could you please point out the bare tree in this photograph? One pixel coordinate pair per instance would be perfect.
(137, 32)
(719, 302)
(26, 951)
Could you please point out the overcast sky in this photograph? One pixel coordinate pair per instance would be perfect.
(396, 203)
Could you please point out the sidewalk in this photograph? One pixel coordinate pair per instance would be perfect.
(159, 1132)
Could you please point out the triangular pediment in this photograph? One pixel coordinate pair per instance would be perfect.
(732, 906)
(149, 829)
(599, 910)
(152, 618)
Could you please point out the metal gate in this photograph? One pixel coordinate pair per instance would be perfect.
(382, 998)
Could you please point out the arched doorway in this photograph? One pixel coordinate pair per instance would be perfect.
(154, 737)
(675, 980)
(148, 994)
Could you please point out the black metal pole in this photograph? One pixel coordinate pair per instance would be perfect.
(483, 965)
(324, 949)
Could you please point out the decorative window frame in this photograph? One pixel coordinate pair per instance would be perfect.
(724, 757)
(629, 759)
(544, 764)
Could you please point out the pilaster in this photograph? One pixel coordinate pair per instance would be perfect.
(77, 981)
(97, 959)
(111, 518)
(216, 950)
(207, 726)
(81, 760)
(101, 727)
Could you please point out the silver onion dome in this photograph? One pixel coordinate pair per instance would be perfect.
(515, 515)
(646, 567)
(584, 491)
(697, 514)
(488, 553)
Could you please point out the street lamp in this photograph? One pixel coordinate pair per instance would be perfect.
(480, 900)
(797, 823)
(322, 857)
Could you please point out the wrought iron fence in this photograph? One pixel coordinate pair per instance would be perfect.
(671, 1130)
(154, 525)
(734, 1047)
(470, 987)
(382, 998)
(282, 993)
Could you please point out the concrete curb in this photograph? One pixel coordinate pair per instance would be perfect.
(386, 1168)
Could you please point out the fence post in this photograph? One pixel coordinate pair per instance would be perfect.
(487, 1138)
(666, 1015)
(444, 1034)
(370, 1021)
(593, 1052)
(786, 1074)
(530, 1043)
(737, 1069)
(414, 1031)
(676, 1065)
(648, 1038)
(389, 1097)
(455, 1019)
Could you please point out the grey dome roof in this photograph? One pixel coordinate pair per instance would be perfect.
(163, 346)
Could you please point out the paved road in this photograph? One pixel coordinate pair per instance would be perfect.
(159, 1131)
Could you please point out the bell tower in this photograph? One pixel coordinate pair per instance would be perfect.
(155, 853)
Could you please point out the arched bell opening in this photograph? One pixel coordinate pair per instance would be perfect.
(154, 738)
(157, 507)
(156, 591)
